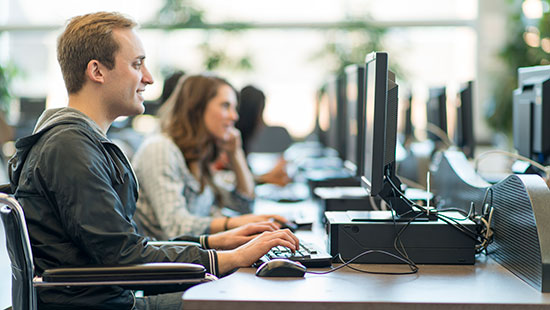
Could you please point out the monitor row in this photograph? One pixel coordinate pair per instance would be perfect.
(343, 107)
(358, 116)
(341, 102)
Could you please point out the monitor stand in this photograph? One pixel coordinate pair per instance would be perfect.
(400, 204)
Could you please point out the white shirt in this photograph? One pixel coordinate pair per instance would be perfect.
(170, 203)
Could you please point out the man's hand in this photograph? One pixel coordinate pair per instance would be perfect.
(236, 237)
(250, 252)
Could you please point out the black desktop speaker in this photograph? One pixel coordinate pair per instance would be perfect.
(455, 182)
(521, 223)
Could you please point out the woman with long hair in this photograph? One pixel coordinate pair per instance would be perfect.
(179, 194)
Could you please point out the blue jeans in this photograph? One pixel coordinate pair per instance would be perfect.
(171, 301)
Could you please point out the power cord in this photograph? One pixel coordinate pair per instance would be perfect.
(483, 237)
(449, 220)
(402, 251)
(403, 258)
(414, 268)
(485, 221)
(466, 215)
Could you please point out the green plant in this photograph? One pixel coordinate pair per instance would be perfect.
(515, 54)
(349, 45)
(7, 72)
(215, 58)
(179, 14)
(182, 14)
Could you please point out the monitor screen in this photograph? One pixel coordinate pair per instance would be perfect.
(342, 120)
(380, 122)
(408, 128)
(436, 109)
(464, 132)
(323, 117)
(332, 109)
(531, 112)
(354, 108)
(30, 110)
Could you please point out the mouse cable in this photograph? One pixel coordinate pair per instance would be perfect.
(414, 268)
(404, 256)
(397, 240)
(406, 260)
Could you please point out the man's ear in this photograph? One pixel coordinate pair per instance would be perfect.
(94, 71)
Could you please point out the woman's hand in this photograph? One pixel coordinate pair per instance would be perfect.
(241, 220)
(236, 237)
(277, 175)
(232, 141)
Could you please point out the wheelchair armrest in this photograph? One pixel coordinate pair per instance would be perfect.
(6, 189)
(140, 272)
(174, 243)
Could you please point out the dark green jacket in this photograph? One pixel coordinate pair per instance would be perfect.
(79, 195)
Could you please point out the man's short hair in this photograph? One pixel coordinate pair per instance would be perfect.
(85, 38)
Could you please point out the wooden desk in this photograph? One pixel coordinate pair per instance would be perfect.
(485, 285)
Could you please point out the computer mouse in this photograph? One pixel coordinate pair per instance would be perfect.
(290, 225)
(295, 225)
(281, 267)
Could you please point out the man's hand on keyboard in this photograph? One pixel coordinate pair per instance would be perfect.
(250, 252)
(236, 237)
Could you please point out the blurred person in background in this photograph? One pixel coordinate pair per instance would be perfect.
(251, 123)
(178, 191)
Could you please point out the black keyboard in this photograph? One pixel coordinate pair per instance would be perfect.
(308, 255)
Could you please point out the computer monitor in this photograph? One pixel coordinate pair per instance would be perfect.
(323, 116)
(30, 110)
(332, 100)
(380, 121)
(464, 132)
(151, 107)
(381, 106)
(342, 120)
(408, 128)
(355, 75)
(531, 113)
(436, 109)
(335, 90)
